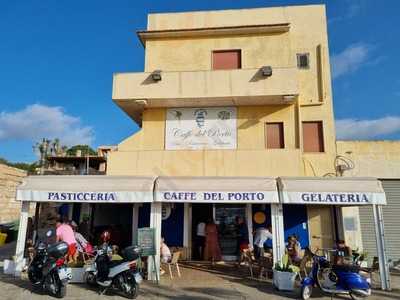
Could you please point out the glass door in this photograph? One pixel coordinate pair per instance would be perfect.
(225, 215)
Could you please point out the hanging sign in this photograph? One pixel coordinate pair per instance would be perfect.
(201, 128)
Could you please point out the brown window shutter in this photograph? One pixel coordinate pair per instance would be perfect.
(274, 135)
(313, 137)
(226, 59)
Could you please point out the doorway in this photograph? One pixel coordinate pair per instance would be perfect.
(225, 218)
(200, 214)
(321, 226)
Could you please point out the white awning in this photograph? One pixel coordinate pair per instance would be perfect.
(349, 191)
(87, 189)
(216, 189)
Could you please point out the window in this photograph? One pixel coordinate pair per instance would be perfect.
(303, 60)
(313, 137)
(274, 135)
(226, 59)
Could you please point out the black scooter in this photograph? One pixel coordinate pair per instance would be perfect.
(48, 269)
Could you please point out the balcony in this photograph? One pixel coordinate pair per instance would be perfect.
(241, 87)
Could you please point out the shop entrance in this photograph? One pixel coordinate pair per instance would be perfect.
(200, 214)
(225, 218)
(320, 220)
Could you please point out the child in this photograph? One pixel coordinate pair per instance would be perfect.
(115, 255)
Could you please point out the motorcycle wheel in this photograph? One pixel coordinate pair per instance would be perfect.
(306, 292)
(61, 289)
(134, 290)
(356, 297)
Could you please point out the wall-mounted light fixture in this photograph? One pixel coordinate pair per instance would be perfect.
(288, 98)
(141, 102)
(266, 71)
(156, 75)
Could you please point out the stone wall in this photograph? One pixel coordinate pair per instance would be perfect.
(10, 178)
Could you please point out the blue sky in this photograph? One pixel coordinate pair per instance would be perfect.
(57, 59)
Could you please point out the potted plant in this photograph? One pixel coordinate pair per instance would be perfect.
(285, 274)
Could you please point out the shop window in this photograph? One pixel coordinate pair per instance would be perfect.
(274, 135)
(226, 59)
(313, 137)
(303, 60)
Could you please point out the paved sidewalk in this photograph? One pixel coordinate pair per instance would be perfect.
(195, 285)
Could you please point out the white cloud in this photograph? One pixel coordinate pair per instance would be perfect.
(348, 129)
(350, 59)
(353, 9)
(40, 121)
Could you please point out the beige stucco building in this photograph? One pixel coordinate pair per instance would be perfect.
(236, 117)
(379, 159)
(297, 96)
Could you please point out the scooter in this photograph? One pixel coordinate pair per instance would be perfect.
(121, 276)
(335, 279)
(48, 269)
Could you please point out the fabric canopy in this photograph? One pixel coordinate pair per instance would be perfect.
(331, 190)
(216, 189)
(87, 189)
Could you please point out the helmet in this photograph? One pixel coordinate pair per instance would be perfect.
(105, 236)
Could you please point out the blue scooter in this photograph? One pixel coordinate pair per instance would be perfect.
(335, 279)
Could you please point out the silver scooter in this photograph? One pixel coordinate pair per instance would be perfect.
(121, 276)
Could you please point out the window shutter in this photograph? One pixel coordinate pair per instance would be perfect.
(274, 136)
(313, 137)
(226, 59)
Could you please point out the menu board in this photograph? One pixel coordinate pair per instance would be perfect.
(146, 241)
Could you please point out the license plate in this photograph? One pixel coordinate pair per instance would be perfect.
(65, 273)
(138, 278)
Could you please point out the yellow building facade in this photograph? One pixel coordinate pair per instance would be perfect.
(180, 47)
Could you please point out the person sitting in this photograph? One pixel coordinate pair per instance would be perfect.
(115, 256)
(82, 245)
(342, 254)
(262, 234)
(293, 249)
(165, 254)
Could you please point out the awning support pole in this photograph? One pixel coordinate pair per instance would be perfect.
(135, 222)
(249, 219)
(381, 248)
(187, 229)
(20, 249)
(278, 232)
(155, 222)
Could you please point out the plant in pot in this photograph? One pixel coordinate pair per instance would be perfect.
(285, 274)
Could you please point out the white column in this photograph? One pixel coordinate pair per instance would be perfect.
(19, 252)
(381, 247)
(155, 222)
(187, 229)
(249, 218)
(278, 232)
(135, 222)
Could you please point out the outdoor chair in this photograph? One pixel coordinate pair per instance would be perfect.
(247, 257)
(265, 263)
(174, 262)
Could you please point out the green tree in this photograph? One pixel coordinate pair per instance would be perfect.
(85, 149)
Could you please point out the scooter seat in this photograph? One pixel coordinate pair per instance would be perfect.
(346, 268)
(114, 263)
